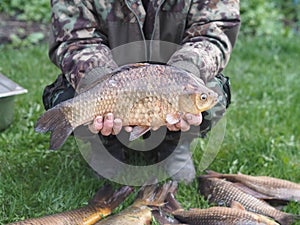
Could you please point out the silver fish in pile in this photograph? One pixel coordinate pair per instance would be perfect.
(142, 95)
(269, 186)
(222, 216)
(223, 192)
(235, 215)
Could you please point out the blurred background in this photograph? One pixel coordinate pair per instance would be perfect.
(260, 18)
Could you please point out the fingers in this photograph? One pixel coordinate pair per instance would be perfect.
(109, 125)
(117, 127)
(97, 125)
(106, 126)
(128, 129)
(193, 119)
(184, 125)
(185, 122)
(173, 127)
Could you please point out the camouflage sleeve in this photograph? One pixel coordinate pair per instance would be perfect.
(212, 29)
(77, 46)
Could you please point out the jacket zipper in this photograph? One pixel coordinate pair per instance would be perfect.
(154, 26)
(141, 30)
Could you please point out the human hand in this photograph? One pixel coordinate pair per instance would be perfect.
(186, 121)
(107, 125)
(110, 125)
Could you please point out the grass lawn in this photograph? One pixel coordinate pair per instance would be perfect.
(262, 135)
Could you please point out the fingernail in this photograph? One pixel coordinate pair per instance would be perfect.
(109, 116)
(92, 129)
(188, 117)
(99, 119)
(128, 129)
(118, 121)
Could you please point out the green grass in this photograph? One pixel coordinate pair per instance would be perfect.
(262, 135)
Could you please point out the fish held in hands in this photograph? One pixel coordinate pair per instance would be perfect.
(142, 95)
(102, 205)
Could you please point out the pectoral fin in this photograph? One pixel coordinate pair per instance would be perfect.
(173, 118)
(138, 131)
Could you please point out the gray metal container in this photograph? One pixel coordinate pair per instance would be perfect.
(8, 90)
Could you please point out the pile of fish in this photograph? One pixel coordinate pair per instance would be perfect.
(149, 198)
(251, 194)
(238, 200)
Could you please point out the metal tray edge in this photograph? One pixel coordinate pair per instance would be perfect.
(15, 88)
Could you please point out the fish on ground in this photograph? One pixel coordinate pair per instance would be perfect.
(223, 192)
(140, 212)
(163, 214)
(142, 95)
(272, 188)
(102, 205)
(222, 215)
(235, 215)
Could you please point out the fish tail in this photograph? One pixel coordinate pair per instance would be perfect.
(162, 214)
(172, 204)
(287, 219)
(155, 195)
(54, 121)
(106, 197)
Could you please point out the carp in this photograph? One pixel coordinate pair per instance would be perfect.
(140, 212)
(142, 95)
(235, 215)
(102, 204)
(271, 187)
(224, 192)
(222, 215)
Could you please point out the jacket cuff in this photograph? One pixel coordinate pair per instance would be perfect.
(187, 66)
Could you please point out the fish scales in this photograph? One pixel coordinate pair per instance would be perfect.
(85, 215)
(130, 216)
(130, 88)
(223, 192)
(140, 95)
(104, 201)
(221, 216)
(270, 186)
(140, 212)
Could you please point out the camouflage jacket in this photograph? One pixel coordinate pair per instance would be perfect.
(89, 38)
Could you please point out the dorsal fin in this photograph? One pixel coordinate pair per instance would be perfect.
(92, 80)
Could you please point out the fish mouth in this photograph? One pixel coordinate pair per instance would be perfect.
(211, 103)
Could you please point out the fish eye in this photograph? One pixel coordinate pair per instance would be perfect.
(203, 97)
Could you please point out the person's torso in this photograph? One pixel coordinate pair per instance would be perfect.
(143, 27)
